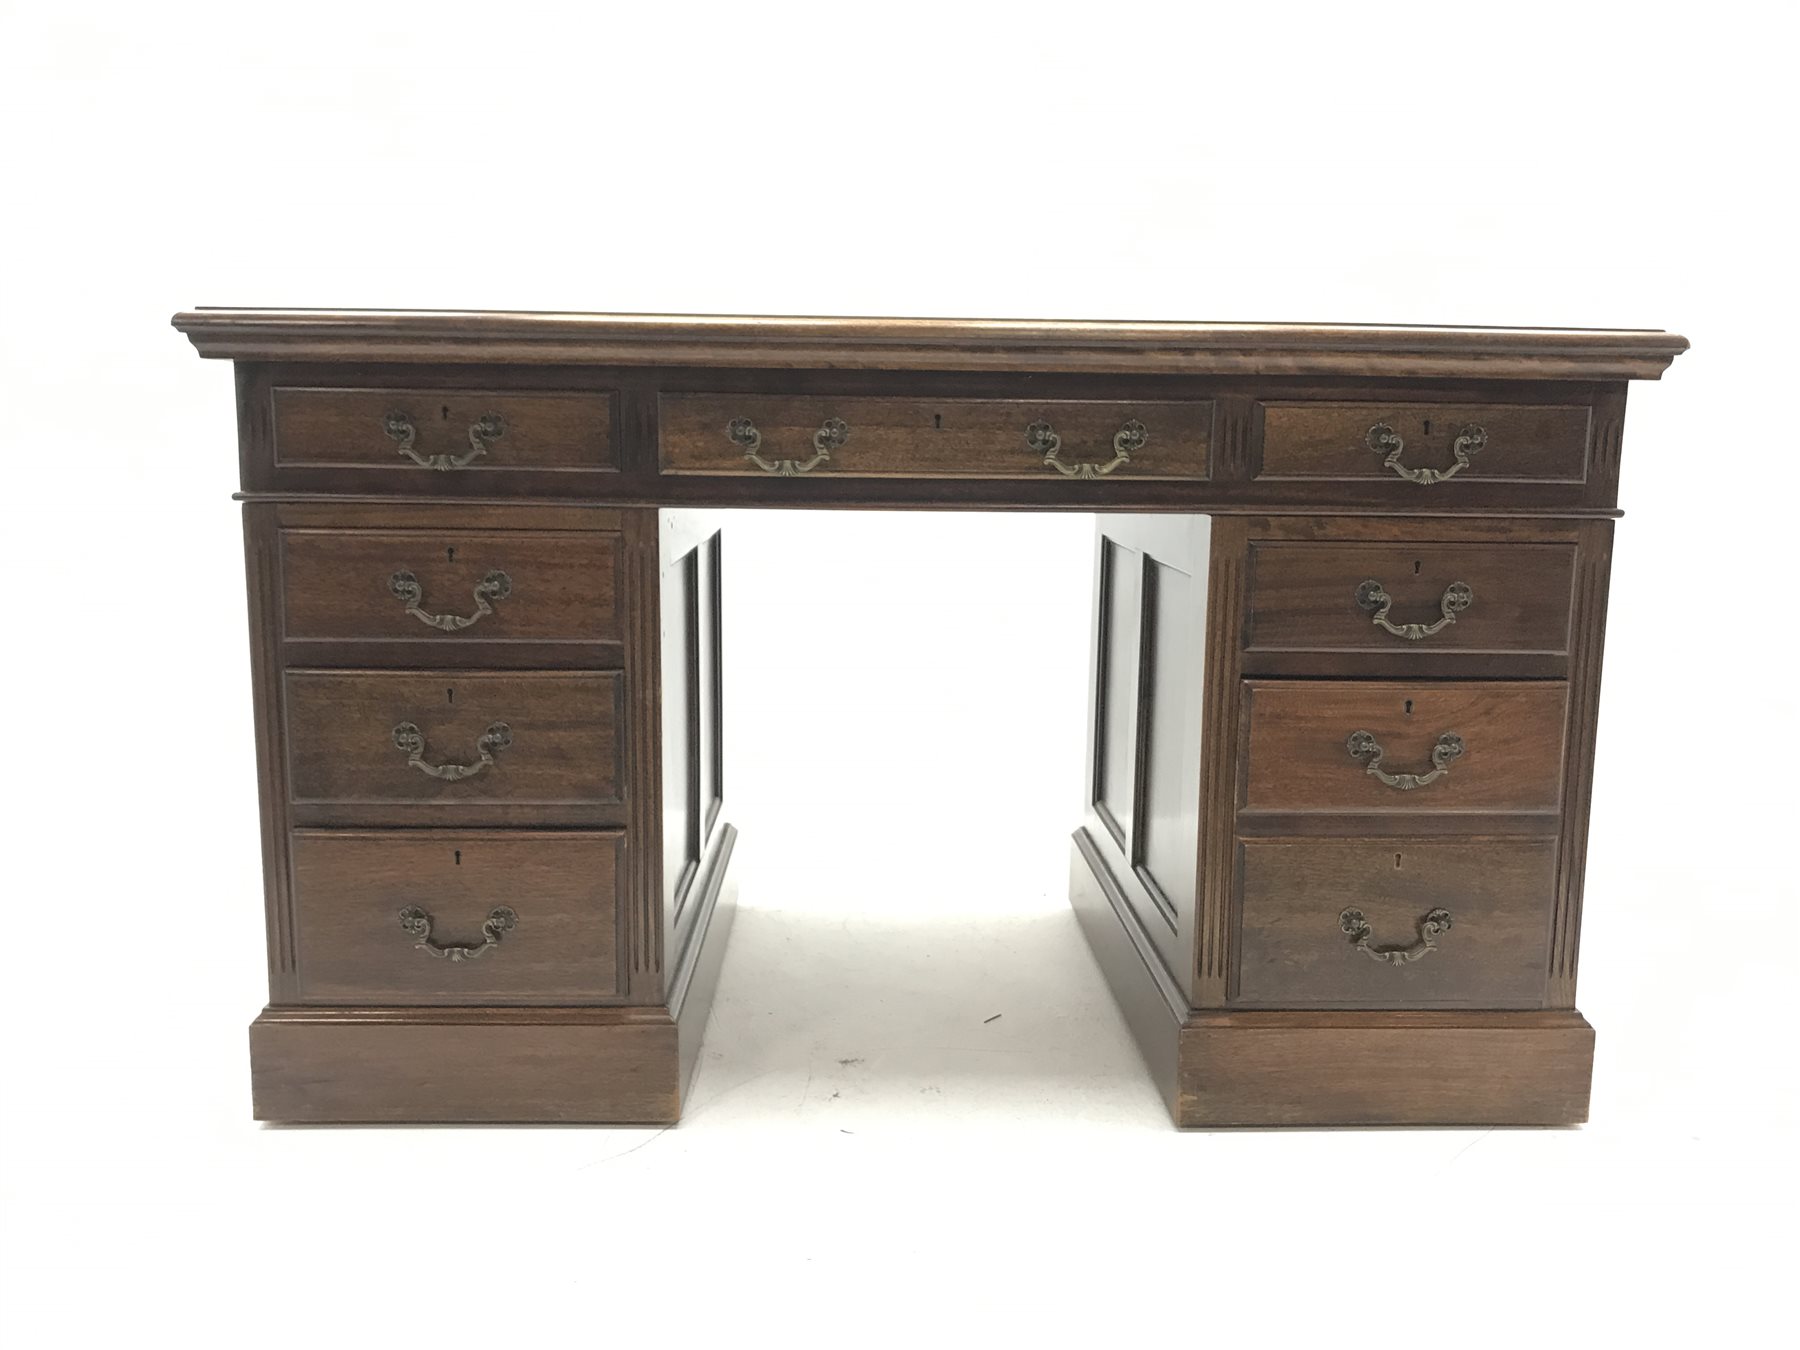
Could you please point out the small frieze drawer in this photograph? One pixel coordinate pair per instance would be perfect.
(1426, 444)
(429, 917)
(443, 439)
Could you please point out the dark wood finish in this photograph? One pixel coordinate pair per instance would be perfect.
(982, 438)
(465, 1066)
(564, 765)
(1296, 760)
(346, 429)
(351, 885)
(1356, 351)
(1226, 829)
(1293, 1068)
(337, 587)
(1144, 719)
(1303, 598)
(1294, 953)
(1329, 442)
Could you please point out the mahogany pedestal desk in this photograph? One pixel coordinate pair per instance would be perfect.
(1350, 589)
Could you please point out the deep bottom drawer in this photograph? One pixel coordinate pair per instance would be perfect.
(1395, 923)
(457, 916)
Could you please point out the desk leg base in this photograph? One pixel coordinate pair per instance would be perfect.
(570, 1065)
(1218, 1068)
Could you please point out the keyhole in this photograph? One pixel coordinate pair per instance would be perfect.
(1416, 566)
(450, 553)
(459, 858)
(446, 415)
(1428, 426)
(1409, 707)
(1396, 859)
(937, 421)
(450, 697)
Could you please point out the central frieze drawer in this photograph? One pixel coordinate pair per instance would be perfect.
(456, 916)
(786, 436)
(1395, 923)
(1417, 747)
(449, 587)
(414, 747)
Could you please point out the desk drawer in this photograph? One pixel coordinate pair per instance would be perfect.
(460, 439)
(449, 917)
(1414, 748)
(1406, 599)
(450, 588)
(785, 436)
(1432, 444)
(1395, 923)
(409, 747)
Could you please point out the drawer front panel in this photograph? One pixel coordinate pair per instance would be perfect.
(462, 436)
(1395, 923)
(452, 917)
(455, 739)
(1507, 755)
(1442, 597)
(1360, 442)
(450, 588)
(933, 438)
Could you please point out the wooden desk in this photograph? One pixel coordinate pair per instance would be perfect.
(1350, 590)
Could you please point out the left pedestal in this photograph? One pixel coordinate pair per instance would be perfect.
(495, 851)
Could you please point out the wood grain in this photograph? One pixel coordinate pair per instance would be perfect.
(948, 437)
(350, 886)
(1296, 760)
(747, 342)
(1329, 441)
(1294, 953)
(562, 767)
(1303, 598)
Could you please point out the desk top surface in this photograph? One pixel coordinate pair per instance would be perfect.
(743, 341)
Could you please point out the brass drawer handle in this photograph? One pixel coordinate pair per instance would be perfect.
(416, 921)
(1042, 438)
(483, 432)
(827, 438)
(496, 585)
(1363, 746)
(409, 738)
(1433, 926)
(1371, 596)
(1384, 440)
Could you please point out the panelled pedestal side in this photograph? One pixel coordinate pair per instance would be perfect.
(1379, 789)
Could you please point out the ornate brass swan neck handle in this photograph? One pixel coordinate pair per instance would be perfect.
(1433, 926)
(1374, 598)
(496, 585)
(483, 432)
(827, 438)
(1387, 442)
(409, 738)
(1042, 438)
(1363, 746)
(500, 921)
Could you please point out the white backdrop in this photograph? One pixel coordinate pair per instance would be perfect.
(867, 1157)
